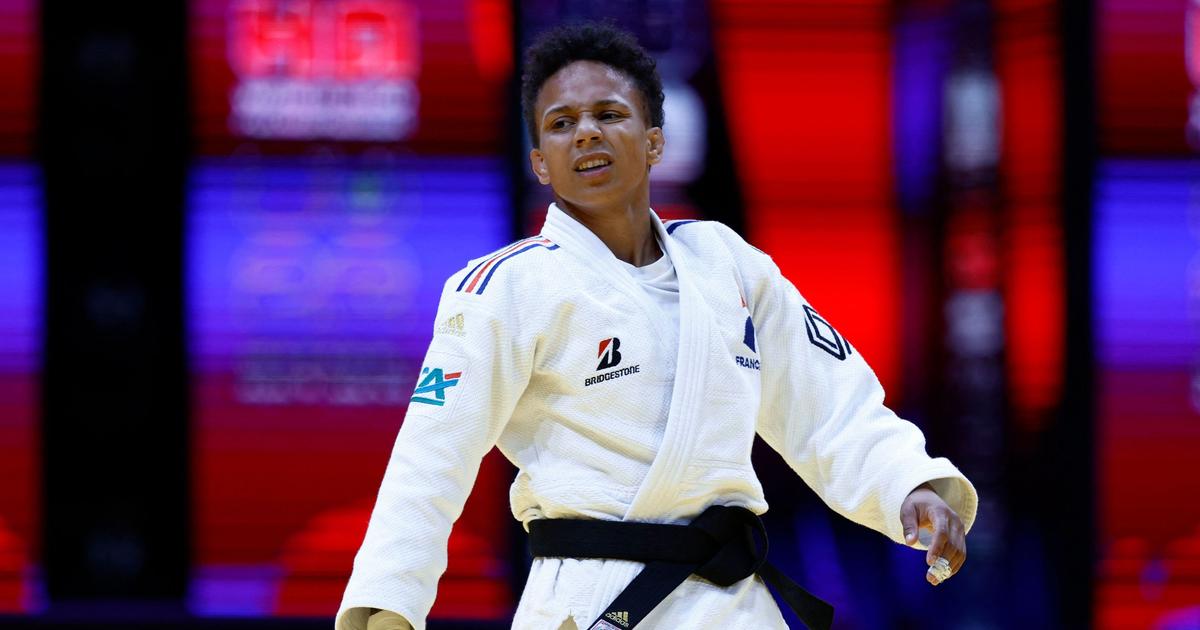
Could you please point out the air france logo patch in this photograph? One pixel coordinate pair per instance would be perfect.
(823, 336)
(434, 381)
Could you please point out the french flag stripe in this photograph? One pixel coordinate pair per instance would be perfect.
(547, 243)
(476, 273)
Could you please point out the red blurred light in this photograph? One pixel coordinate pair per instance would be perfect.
(808, 96)
(1028, 63)
(270, 38)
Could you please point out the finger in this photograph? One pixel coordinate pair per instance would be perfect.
(941, 535)
(953, 553)
(939, 572)
(959, 541)
(908, 519)
(953, 556)
(954, 549)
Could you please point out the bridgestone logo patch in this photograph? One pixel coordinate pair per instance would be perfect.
(608, 376)
(609, 355)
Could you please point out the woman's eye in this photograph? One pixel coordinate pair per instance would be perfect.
(609, 116)
(560, 123)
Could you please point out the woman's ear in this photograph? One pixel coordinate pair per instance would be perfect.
(537, 163)
(655, 141)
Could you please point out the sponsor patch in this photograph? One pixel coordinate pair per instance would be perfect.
(456, 326)
(619, 616)
(608, 376)
(609, 355)
(823, 335)
(431, 389)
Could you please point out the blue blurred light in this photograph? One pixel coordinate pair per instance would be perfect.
(1146, 262)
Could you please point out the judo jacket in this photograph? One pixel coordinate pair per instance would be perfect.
(552, 352)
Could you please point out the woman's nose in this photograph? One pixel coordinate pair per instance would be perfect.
(586, 130)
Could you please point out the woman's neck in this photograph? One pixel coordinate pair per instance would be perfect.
(627, 231)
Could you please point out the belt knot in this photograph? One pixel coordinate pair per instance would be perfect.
(737, 554)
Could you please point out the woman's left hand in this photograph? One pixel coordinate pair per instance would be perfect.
(924, 509)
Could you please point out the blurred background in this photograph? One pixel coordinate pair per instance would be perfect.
(224, 225)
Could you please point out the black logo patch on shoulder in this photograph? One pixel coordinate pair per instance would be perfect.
(823, 335)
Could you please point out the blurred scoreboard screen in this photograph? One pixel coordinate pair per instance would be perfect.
(21, 289)
(1148, 401)
(1146, 263)
(349, 162)
(311, 297)
(426, 75)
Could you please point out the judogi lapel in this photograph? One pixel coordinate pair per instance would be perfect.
(659, 489)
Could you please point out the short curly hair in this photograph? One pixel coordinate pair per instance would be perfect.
(589, 41)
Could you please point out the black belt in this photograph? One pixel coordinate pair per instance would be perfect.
(719, 546)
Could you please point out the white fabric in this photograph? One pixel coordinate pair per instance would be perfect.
(660, 444)
(660, 283)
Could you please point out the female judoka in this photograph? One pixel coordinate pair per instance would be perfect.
(624, 365)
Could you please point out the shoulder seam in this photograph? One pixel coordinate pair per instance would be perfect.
(729, 234)
(481, 274)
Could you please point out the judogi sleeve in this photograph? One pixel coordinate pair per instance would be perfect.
(474, 371)
(822, 410)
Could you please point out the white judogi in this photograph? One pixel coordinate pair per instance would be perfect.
(562, 360)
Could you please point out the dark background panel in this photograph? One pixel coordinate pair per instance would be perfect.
(113, 146)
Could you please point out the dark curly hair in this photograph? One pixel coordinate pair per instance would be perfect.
(589, 41)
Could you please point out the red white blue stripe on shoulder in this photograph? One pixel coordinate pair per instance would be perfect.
(477, 280)
(672, 225)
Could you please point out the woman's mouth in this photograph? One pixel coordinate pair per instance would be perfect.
(592, 166)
